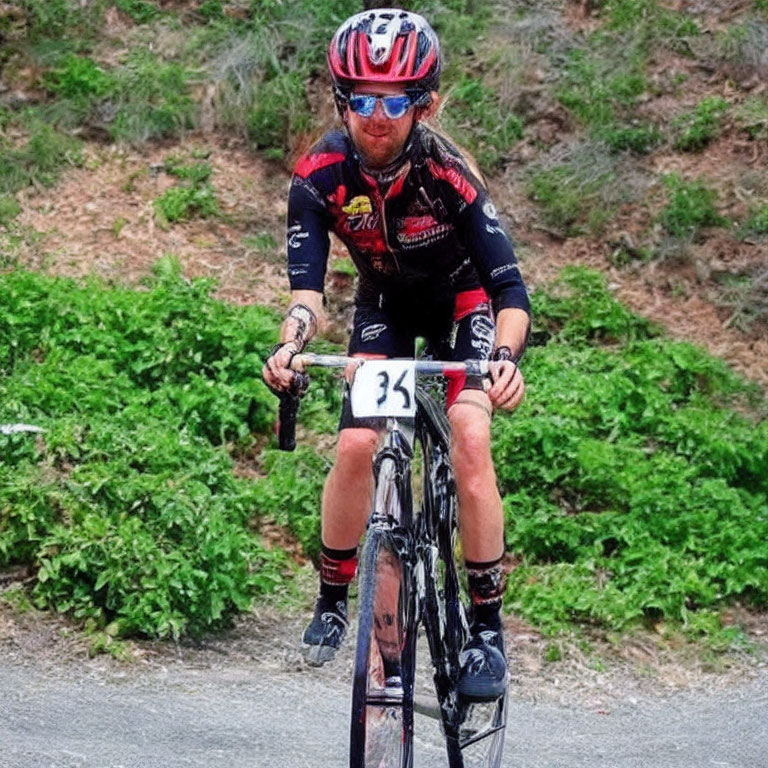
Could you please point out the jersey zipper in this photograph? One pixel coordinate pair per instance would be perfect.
(379, 200)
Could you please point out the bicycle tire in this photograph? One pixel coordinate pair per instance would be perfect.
(474, 733)
(381, 728)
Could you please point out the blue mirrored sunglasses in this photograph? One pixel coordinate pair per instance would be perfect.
(394, 106)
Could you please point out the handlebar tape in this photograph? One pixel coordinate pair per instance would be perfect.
(286, 421)
(288, 411)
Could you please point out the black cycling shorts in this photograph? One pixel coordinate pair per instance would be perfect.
(460, 330)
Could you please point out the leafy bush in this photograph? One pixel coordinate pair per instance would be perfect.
(64, 19)
(291, 492)
(152, 99)
(9, 208)
(140, 11)
(640, 139)
(128, 504)
(77, 77)
(39, 161)
(650, 20)
(180, 203)
(194, 197)
(691, 206)
(597, 87)
(633, 490)
(699, 127)
(279, 111)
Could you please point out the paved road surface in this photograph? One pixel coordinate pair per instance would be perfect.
(243, 717)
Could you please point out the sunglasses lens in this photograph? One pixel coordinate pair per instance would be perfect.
(395, 106)
(362, 105)
(365, 105)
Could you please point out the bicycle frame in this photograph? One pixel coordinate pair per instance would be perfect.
(426, 584)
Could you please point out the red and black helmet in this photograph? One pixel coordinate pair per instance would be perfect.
(386, 45)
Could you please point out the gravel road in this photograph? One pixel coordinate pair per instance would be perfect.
(248, 716)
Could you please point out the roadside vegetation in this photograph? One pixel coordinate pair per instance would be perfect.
(634, 477)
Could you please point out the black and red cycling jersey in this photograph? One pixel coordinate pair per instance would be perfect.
(433, 231)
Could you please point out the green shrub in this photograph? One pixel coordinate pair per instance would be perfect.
(127, 504)
(651, 20)
(152, 99)
(37, 162)
(77, 77)
(9, 208)
(578, 306)
(181, 203)
(279, 112)
(140, 11)
(194, 197)
(691, 206)
(639, 139)
(598, 87)
(632, 480)
(62, 19)
(290, 494)
(211, 9)
(699, 127)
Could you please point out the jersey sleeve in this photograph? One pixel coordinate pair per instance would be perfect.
(307, 238)
(491, 251)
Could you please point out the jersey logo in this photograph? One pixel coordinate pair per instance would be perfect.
(482, 333)
(296, 235)
(421, 230)
(372, 332)
(358, 206)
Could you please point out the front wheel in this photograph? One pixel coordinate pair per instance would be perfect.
(381, 732)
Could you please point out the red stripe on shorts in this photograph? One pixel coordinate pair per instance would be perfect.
(467, 302)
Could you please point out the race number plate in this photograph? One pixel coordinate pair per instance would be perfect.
(384, 388)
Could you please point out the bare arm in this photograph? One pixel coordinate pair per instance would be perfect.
(512, 326)
(299, 326)
(508, 389)
(305, 315)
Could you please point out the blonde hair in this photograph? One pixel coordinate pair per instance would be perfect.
(432, 120)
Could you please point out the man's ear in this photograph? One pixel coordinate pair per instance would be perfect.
(425, 113)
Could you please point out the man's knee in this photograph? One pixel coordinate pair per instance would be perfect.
(357, 445)
(471, 442)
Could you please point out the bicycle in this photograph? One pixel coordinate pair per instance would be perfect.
(407, 574)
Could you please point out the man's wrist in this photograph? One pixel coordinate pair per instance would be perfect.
(295, 349)
(502, 353)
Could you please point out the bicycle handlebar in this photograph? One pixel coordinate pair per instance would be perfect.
(289, 401)
(423, 367)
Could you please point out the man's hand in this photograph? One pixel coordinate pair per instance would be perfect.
(277, 372)
(508, 388)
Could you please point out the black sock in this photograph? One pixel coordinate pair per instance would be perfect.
(487, 582)
(337, 570)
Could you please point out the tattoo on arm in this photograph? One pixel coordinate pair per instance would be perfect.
(302, 324)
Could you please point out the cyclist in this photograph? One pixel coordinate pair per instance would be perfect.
(433, 261)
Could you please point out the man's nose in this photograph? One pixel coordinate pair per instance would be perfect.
(378, 111)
